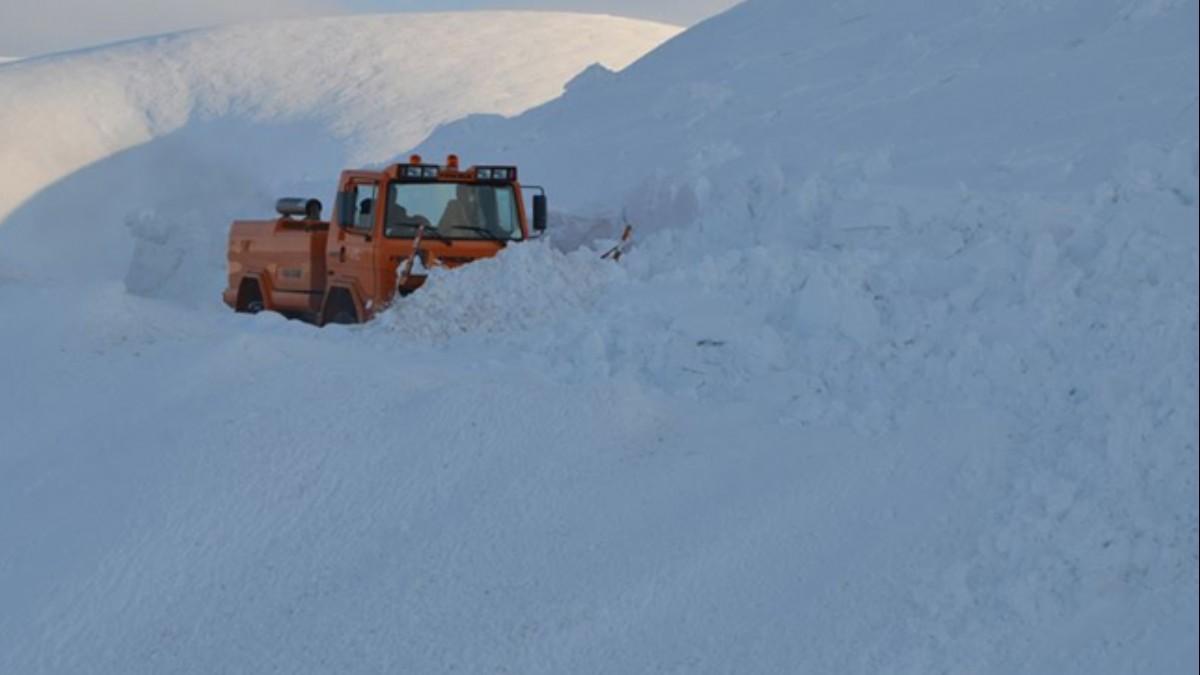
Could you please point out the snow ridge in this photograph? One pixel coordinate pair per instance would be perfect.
(193, 129)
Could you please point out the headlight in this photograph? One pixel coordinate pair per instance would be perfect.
(495, 173)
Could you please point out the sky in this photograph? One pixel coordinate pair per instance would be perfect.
(30, 28)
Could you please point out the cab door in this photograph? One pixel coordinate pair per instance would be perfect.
(352, 256)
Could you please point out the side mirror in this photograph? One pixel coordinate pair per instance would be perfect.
(539, 213)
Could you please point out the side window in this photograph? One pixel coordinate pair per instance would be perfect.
(506, 212)
(365, 203)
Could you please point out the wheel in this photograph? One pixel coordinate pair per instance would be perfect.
(339, 308)
(250, 297)
(344, 317)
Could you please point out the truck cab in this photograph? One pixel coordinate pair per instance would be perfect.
(347, 269)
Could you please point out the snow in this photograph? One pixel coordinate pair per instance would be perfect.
(900, 375)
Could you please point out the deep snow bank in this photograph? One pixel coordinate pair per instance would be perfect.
(879, 210)
(139, 153)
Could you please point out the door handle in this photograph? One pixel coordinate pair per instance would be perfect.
(342, 254)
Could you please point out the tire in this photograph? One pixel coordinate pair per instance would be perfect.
(340, 309)
(250, 299)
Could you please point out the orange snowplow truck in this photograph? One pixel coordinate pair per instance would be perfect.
(384, 224)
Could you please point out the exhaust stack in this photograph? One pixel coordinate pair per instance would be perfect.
(308, 209)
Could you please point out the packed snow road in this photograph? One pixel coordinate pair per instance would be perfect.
(376, 508)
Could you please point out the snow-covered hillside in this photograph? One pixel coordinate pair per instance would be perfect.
(821, 98)
(145, 150)
(901, 376)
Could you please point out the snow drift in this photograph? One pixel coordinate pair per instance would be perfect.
(142, 152)
(901, 376)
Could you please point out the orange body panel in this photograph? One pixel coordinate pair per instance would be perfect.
(315, 270)
(286, 257)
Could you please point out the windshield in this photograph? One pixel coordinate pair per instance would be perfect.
(453, 210)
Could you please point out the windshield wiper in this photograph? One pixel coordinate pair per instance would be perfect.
(433, 232)
(481, 230)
